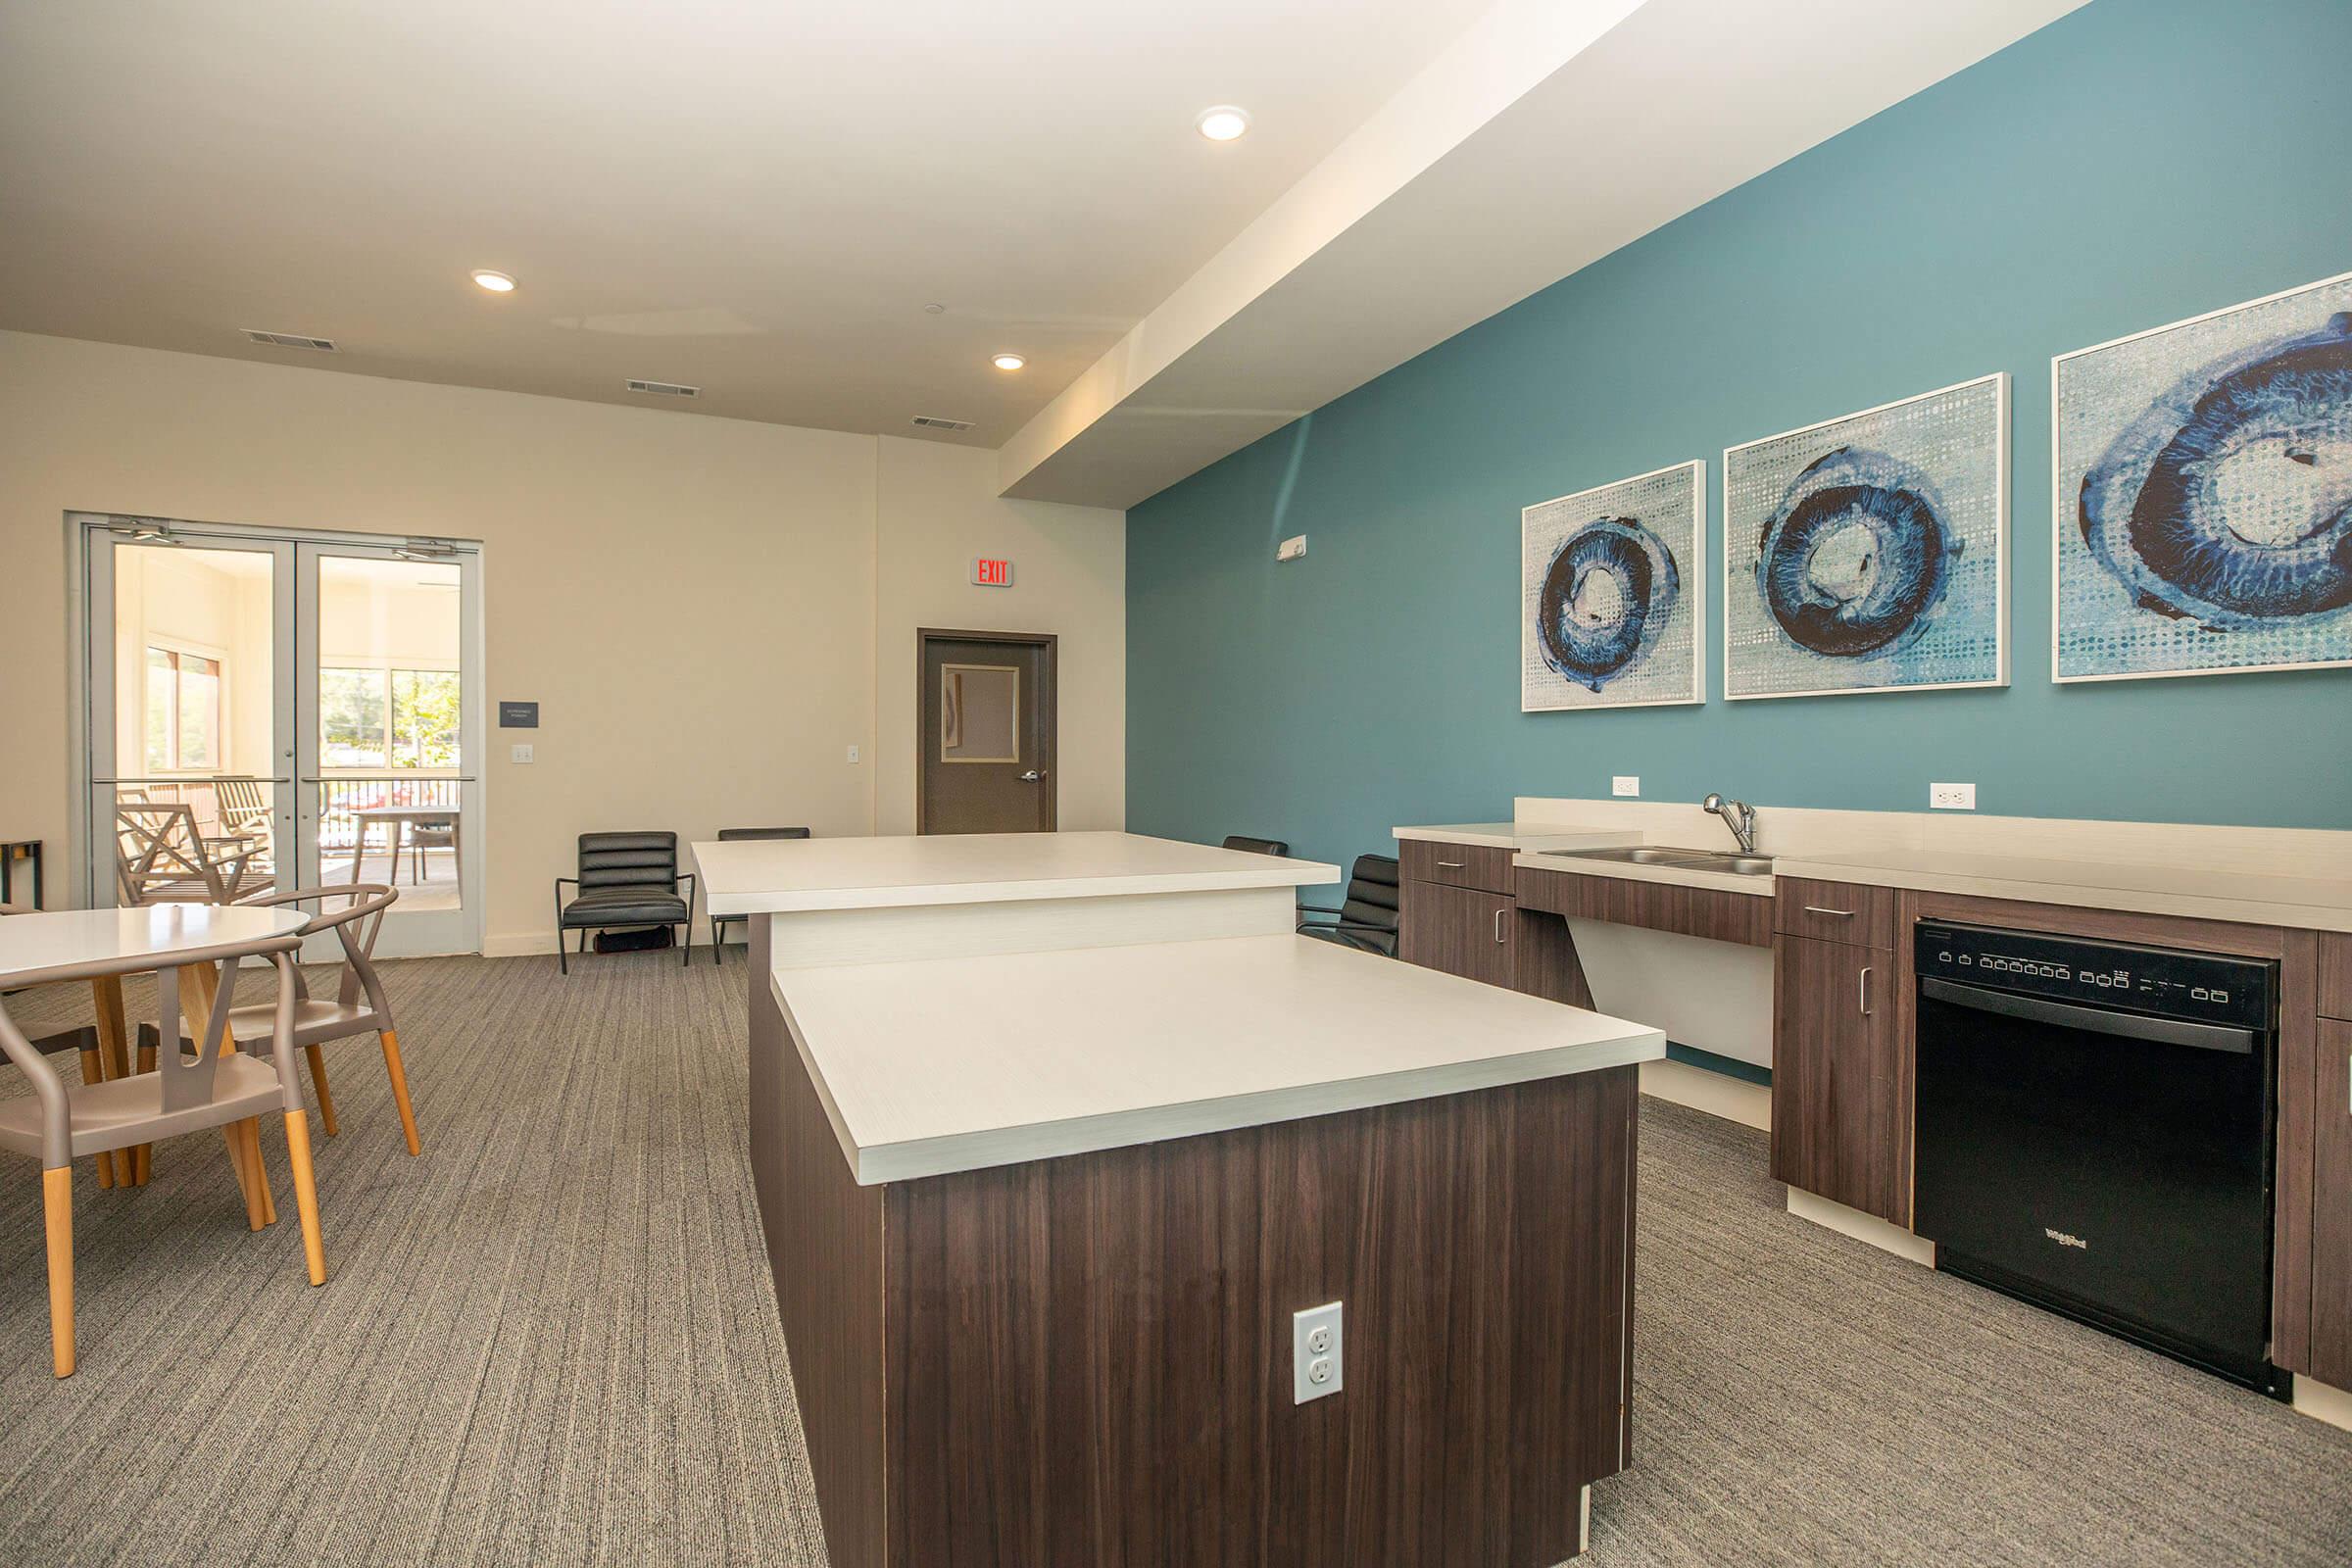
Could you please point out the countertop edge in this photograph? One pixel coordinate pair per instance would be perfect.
(890, 896)
(1511, 836)
(2080, 895)
(1752, 887)
(919, 1158)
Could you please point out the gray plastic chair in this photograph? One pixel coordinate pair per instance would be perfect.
(359, 1007)
(215, 1087)
(729, 835)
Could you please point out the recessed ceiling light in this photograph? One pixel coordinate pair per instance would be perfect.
(1008, 362)
(1224, 122)
(495, 282)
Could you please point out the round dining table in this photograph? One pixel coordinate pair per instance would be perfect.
(35, 945)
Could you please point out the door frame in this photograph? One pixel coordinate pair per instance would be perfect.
(82, 531)
(1049, 645)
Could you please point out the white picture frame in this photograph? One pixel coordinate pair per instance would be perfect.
(1734, 522)
(2066, 482)
(1673, 673)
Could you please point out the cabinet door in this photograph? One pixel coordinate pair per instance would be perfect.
(2332, 1209)
(1840, 1105)
(1460, 930)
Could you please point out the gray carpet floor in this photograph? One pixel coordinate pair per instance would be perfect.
(552, 1341)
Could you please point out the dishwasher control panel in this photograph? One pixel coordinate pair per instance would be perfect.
(2204, 987)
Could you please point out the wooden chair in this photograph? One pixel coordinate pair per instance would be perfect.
(359, 1007)
(160, 858)
(216, 1087)
(245, 812)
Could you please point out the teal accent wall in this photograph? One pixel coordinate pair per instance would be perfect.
(2137, 162)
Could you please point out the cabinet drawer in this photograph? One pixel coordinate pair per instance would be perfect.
(2336, 974)
(1461, 865)
(1837, 911)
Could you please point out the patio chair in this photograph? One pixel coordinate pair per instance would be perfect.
(160, 857)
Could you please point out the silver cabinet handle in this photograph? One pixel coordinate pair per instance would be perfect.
(1450, 865)
(1499, 914)
(1843, 915)
(1862, 988)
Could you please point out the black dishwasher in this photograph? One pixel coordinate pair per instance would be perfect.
(2094, 1134)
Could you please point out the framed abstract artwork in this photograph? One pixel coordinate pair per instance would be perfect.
(2202, 495)
(1612, 601)
(1870, 553)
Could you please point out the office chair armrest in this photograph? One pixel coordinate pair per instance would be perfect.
(1318, 908)
(686, 877)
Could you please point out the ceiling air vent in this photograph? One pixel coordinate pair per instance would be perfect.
(293, 340)
(666, 389)
(932, 422)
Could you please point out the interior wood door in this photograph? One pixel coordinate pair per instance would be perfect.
(1840, 1111)
(985, 735)
(1461, 931)
(2331, 1215)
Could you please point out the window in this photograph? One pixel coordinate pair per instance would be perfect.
(388, 719)
(183, 713)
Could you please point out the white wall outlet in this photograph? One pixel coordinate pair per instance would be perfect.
(1317, 1353)
(852, 754)
(1952, 796)
(1290, 548)
(519, 753)
(1623, 784)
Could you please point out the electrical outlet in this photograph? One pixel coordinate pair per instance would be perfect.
(1952, 796)
(1623, 784)
(1291, 549)
(852, 754)
(521, 754)
(1317, 1353)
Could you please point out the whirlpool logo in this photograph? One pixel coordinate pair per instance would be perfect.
(2065, 1240)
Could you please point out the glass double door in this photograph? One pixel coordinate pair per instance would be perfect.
(274, 712)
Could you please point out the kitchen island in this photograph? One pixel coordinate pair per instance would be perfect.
(1053, 1135)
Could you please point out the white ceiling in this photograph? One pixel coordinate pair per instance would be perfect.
(755, 198)
(759, 198)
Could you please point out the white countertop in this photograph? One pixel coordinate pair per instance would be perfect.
(2299, 902)
(948, 1064)
(1522, 836)
(760, 876)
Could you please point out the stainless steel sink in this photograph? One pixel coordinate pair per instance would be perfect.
(1721, 861)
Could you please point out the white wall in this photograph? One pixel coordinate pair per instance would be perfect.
(699, 605)
(938, 510)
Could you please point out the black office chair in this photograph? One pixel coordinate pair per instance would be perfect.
(1239, 841)
(626, 879)
(1366, 918)
(728, 835)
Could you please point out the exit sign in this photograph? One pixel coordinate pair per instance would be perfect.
(992, 574)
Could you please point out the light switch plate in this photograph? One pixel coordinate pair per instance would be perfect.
(1952, 796)
(852, 754)
(1318, 1360)
(521, 754)
(1623, 784)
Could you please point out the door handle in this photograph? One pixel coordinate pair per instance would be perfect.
(1499, 914)
(1862, 989)
(1033, 775)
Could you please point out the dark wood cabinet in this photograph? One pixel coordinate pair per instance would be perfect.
(2330, 1353)
(1841, 1098)
(1464, 931)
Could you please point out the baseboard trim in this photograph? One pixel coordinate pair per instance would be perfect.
(2323, 1403)
(1866, 1228)
(1717, 1094)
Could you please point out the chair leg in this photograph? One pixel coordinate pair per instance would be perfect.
(245, 1153)
(326, 1098)
(93, 1071)
(686, 944)
(306, 1194)
(563, 954)
(141, 1157)
(57, 1215)
(400, 1091)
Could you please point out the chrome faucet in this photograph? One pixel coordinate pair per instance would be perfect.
(1738, 816)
